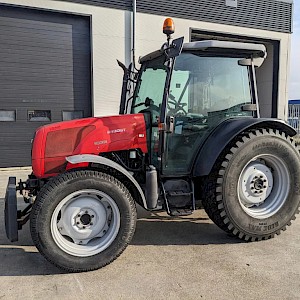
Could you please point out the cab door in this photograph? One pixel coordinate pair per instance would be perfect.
(187, 128)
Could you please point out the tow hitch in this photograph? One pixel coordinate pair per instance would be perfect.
(14, 218)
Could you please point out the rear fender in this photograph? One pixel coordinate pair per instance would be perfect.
(224, 133)
(80, 160)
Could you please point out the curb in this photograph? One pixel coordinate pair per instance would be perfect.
(9, 169)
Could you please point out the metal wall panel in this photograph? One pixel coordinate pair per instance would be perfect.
(274, 15)
(45, 64)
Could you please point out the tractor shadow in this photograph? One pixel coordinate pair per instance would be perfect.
(162, 230)
(22, 258)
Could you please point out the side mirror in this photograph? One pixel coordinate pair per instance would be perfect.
(175, 48)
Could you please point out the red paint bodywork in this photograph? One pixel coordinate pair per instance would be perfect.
(54, 142)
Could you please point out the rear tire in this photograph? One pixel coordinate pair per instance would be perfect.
(82, 220)
(254, 190)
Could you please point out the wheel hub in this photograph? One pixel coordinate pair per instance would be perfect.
(256, 184)
(259, 184)
(85, 218)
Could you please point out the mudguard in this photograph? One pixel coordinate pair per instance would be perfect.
(88, 158)
(224, 133)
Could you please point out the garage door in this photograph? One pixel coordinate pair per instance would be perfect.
(45, 75)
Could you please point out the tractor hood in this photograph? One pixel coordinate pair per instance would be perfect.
(54, 142)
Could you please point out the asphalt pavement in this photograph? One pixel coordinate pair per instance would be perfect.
(169, 258)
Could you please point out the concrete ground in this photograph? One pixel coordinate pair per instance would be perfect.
(182, 258)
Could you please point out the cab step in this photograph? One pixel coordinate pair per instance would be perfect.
(177, 212)
(178, 196)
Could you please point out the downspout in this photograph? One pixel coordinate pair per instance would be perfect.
(133, 34)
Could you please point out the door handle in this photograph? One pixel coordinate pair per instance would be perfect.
(170, 122)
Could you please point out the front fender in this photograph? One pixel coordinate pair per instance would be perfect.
(88, 158)
(223, 134)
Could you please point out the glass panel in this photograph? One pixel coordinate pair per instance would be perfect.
(203, 92)
(39, 115)
(208, 84)
(7, 115)
(71, 115)
(148, 97)
(149, 92)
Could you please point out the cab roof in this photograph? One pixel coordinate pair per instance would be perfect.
(225, 47)
(216, 47)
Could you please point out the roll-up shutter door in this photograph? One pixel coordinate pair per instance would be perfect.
(45, 75)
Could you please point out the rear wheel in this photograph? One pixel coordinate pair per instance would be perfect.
(254, 191)
(83, 220)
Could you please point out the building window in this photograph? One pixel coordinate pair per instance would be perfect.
(72, 114)
(39, 115)
(7, 115)
(232, 3)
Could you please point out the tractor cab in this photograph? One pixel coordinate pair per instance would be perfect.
(186, 90)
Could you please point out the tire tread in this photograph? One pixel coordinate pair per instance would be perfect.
(46, 191)
(213, 203)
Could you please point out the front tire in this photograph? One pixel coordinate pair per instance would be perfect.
(82, 220)
(254, 190)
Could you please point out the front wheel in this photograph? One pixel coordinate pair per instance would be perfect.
(83, 220)
(254, 191)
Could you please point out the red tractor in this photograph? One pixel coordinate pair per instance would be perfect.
(190, 132)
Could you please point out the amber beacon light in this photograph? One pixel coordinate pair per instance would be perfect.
(168, 27)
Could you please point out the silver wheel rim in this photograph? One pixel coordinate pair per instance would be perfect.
(85, 223)
(263, 186)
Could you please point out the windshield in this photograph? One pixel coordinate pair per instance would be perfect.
(150, 87)
(208, 85)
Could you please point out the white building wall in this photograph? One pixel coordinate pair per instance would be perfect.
(111, 40)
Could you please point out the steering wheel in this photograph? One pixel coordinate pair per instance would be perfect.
(148, 103)
(178, 107)
(150, 107)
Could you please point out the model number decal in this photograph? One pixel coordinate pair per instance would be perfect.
(119, 130)
(100, 142)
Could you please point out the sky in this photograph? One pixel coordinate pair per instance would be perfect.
(294, 79)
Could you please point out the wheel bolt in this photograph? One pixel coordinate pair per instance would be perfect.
(92, 216)
(91, 223)
(252, 188)
(77, 223)
(255, 192)
(265, 186)
(260, 176)
(78, 216)
(252, 181)
(83, 227)
(265, 180)
(260, 191)
(108, 206)
(86, 212)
